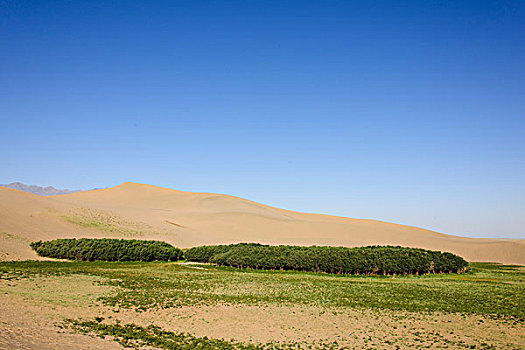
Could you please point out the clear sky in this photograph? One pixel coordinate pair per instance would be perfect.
(404, 111)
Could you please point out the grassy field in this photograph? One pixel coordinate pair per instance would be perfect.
(489, 289)
(487, 292)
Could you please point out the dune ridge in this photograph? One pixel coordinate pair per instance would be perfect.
(188, 219)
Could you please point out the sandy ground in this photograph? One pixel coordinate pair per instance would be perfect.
(31, 313)
(188, 219)
(349, 327)
(31, 309)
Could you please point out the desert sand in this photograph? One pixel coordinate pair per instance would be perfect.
(187, 219)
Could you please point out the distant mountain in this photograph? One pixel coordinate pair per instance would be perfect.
(41, 191)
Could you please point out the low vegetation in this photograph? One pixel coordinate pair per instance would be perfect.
(487, 289)
(488, 294)
(106, 249)
(381, 260)
(131, 335)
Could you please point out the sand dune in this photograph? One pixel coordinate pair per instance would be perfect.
(187, 219)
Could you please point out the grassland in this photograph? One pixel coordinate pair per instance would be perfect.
(488, 289)
(489, 295)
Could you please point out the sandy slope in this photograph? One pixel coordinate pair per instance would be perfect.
(187, 219)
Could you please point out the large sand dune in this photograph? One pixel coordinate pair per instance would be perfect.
(187, 219)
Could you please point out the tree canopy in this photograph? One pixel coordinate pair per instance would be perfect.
(340, 260)
(107, 249)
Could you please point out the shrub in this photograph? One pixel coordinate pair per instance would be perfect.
(386, 260)
(91, 249)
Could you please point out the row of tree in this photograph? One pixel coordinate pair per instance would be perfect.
(360, 260)
(107, 249)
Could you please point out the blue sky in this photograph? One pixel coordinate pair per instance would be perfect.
(410, 112)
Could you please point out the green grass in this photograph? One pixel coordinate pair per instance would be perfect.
(487, 289)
